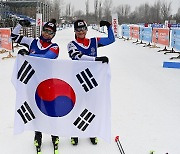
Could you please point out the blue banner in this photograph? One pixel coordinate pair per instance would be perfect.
(157, 25)
(125, 30)
(175, 39)
(175, 25)
(146, 34)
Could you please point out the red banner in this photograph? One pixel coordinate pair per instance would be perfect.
(161, 36)
(115, 24)
(134, 32)
(5, 39)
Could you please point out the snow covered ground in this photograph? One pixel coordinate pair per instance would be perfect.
(145, 103)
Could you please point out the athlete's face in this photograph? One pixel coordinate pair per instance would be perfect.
(81, 33)
(48, 33)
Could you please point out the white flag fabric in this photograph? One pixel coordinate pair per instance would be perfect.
(62, 97)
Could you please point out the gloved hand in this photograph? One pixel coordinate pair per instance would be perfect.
(104, 23)
(103, 59)
(23, 52)
(25, 23)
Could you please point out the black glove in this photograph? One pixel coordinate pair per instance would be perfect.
(104, 23)
(25, 23)
(23, 52)
(103, 59)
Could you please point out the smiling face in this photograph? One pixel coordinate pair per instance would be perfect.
(48, 33)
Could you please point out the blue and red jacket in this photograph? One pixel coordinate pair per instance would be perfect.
(86, 49)
(37, 47)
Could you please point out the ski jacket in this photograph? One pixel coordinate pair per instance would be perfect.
(36, 47)
(86, 49)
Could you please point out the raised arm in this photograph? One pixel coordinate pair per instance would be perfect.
(16, 37)
(103, 41)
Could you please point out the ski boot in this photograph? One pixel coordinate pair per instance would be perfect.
(94, 140)
(38, 141)
(55, 141)
(74, 140)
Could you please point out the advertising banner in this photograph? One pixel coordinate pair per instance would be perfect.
(161, 36)
(125, 30)
(115, 24)
(146, 34)
(175, 39)
(5, 39)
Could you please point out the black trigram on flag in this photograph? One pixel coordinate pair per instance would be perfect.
(87, 80)
(25, 72)
(84, 120)
(26, 113)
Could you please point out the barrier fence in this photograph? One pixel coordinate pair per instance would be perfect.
(134, 32)
(175, 39)
(169, 37)
(146, 35)
(175, 25)
(161, 36)
(7, 45)
(5, 39)
(5, 36)
(156, 34)
(6, 42)
(125, 31)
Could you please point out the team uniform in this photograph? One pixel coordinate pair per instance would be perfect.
(86, 49)
(37, 47)
(83, 48)
(44, 48)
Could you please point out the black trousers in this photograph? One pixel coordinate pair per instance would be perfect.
(38, 136)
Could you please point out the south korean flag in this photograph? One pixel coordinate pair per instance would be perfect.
(62, 97)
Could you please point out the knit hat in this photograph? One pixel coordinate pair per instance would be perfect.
(80, 24)
(51, 24)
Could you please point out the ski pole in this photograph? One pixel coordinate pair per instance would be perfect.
(119, 145)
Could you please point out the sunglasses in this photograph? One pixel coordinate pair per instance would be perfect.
(80, 29)
(50, 32)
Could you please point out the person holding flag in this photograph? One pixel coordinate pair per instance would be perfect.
(39, 47)
(83, 48)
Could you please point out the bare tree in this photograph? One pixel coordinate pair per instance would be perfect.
(165, 10)
(127, 10)
(100, 10)
(178, 11)
(123, 12)
(120, 10)
(55, 9)
(87, 9)
(177, 16)
(158, 12)
(96, 10)
(143, 13)
(60, 5)
(72, 11)
(68, 9)
(107, 9)
(78, 13)
(155, 12)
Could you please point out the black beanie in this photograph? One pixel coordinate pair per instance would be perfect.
(51, 24)
(80, 24)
